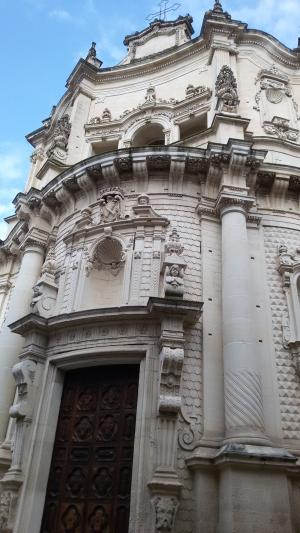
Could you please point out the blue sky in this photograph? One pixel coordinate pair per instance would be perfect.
(41, 40)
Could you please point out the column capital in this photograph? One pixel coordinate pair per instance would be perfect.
(234, 199)
(35, 241)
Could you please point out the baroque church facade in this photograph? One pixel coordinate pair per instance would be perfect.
(150, 294)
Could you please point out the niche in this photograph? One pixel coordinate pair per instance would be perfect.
(149, 135)
(105, 273)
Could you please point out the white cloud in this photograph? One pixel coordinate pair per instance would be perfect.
(60, 14)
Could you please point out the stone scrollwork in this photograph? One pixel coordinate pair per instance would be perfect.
(165, 508)
(226, 90)
(171, 367)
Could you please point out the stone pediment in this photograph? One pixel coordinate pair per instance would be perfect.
(158, 36)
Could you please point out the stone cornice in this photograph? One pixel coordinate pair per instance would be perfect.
(110, 168)
(106, 170)
(156, 309)
(240, 454)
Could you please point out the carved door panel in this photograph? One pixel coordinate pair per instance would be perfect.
(90, 477)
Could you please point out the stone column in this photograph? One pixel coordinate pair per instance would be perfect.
(11, 344)
(244, 418)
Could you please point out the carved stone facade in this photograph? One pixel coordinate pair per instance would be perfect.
(160, 228)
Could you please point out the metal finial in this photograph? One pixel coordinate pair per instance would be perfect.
(218, 7)
(164, 8)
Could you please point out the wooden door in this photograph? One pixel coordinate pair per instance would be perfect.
(90, 477)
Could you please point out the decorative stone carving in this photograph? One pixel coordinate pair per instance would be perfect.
(111, 205)
(171, 367)
(279, 120)
(5, 503)
(226, 90)
(165, 508)
(173, 244)
(24, 374)
(60, 136)
(280, 127)
(92, 56)
(289, 268)
(174, 266)
(286, 332)
(95, 120)
(45, 291)
(150, 97)
(191, 90)
(106, 115)
(174, 287)
(108, 254)
(285, 264)
(37, 154)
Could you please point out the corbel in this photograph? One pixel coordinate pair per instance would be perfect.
(176, 173)
(140, 171)
(65, 197)
(110, 173)
(87, 184)
(279, 189)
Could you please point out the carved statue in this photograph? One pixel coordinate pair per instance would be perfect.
(165, 513)
(174, 286)
(110, 207)
(150, 97)
(285, 258)
(226, 90)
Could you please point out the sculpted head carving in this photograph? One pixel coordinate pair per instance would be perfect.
(143, 199)
(165, 510)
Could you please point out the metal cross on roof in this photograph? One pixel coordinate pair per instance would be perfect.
(164, 8)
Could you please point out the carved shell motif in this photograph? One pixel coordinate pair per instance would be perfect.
(274, 96)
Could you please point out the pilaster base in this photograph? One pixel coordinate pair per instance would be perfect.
(244, 488)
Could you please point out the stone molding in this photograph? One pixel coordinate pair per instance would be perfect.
(243, 455)
(168, 113)
(108, 169)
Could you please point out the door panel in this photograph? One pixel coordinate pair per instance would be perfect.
(90, 476)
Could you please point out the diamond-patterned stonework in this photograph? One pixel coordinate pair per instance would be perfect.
(288, 381)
